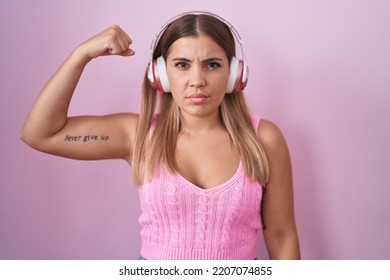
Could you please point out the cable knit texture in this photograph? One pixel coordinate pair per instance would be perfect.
(182, 221)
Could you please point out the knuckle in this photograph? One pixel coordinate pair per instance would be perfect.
(113, 30)
(115, 26)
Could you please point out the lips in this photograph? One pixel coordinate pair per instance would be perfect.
(197, 98)
(197, 95)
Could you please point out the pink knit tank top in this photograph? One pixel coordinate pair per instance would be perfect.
(182, 221)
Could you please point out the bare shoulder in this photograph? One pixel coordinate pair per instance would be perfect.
(271, 136)
(278, 155)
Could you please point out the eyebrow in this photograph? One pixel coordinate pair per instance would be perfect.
(206, 60)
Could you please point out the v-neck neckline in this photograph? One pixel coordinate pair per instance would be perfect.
(227, 183)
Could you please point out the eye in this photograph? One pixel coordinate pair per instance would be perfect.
(182, 65)
(213, 65)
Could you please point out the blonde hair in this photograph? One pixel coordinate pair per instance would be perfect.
(151, 150)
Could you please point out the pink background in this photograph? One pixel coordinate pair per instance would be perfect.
(319, 69)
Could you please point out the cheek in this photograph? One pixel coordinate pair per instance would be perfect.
(221, 81)
(223, 75)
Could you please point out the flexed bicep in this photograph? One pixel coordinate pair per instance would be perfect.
(48, 127)
(93, 138)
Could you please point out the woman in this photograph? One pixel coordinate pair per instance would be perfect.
(209, 174)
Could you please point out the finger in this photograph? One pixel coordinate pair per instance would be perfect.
(126, 36)
(112, 49)
(128, 52)
(117, 47)
(123, 39)
(124, 43)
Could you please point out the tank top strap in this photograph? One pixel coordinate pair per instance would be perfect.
(153, 125)
(255, 122)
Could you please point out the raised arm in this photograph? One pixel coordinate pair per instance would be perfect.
(48, 127)
(280, 231)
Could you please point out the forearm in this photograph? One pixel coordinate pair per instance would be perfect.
(49, 112)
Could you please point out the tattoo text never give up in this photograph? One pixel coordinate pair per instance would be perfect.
(86, 138)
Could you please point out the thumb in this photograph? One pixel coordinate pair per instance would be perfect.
(128, 52)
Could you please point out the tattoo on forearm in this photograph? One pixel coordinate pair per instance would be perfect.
(86, 138)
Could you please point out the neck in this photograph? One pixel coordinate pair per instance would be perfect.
(197, 125)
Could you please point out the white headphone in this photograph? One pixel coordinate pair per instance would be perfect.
(157, 74)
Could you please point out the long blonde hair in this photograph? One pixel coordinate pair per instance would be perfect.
(150, 150)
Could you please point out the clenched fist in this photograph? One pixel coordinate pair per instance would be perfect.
(112, 41)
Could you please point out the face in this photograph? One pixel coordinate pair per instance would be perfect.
(198, 71)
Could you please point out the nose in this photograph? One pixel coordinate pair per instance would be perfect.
(197, 79)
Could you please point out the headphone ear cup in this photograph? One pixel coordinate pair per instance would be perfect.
(242, 77)
(232, 75)
(157, 75)
(150, 74)
(238, 76)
